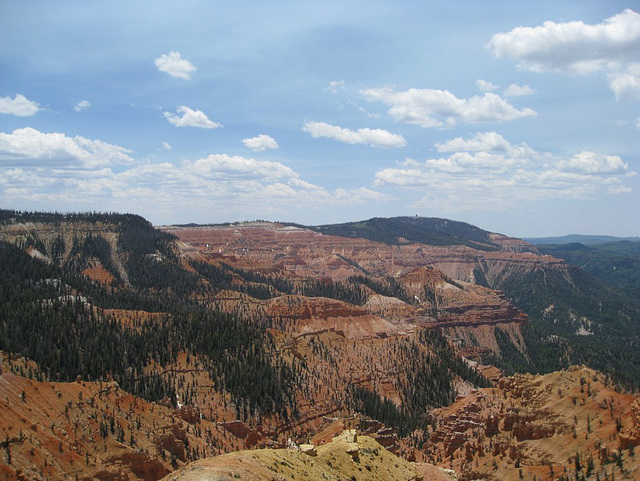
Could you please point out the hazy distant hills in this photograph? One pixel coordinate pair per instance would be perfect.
(582, 239)
(613, 260)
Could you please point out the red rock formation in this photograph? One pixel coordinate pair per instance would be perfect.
(139, 464)
(530, 422)
(308, 315)
(309, 253)
(630, 436)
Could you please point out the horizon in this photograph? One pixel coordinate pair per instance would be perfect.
(284, 222)
(519, 120)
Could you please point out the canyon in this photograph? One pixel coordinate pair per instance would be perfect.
(404, 342)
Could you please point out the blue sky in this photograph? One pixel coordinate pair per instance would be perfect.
(519, 117)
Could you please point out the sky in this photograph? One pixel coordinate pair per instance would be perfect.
(522, 118)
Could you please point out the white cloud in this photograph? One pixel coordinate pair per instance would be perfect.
(481, 141)
(19, 105)
(487, 142)
(191, 118)
(402, 177)
(335, 85)
(626, 85)
(485, 86)
(174, 65)
(82, 105)
(53, 171)
(225, 167)
(166, 145)
(612, 47)
(573, 46)
(619, 189)
(486, 171)
(30, 144)
(592, 163)
(486, 161)
(260, 143)
(440, 108)
(514, 90)
(359, 196)
(372, 137)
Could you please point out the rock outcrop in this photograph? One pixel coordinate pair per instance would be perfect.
(535, 426)
(630, 436)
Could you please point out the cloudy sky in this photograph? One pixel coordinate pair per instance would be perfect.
(519, 117)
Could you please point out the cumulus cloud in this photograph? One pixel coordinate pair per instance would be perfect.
(260, 143)
(619, 189)
(372, 137)
(487, 171)
(82, 105)
(166, 145)
(18, 105)
(59, 150)
(611, 46)
(440, 108)
(174, 65)
(54, 171)
(626, 85)
(225, 167)
(485, 142)
(514, 90)
(191, 118)
(485, 86)
(359, 196)
(592, 163)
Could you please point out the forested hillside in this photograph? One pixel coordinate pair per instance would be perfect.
(616, 264)
(576, 319)
(54, 315)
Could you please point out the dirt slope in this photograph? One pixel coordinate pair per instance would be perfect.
(95, 430)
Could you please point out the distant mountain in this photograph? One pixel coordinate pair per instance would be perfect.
(582, 239)
(405, 230)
